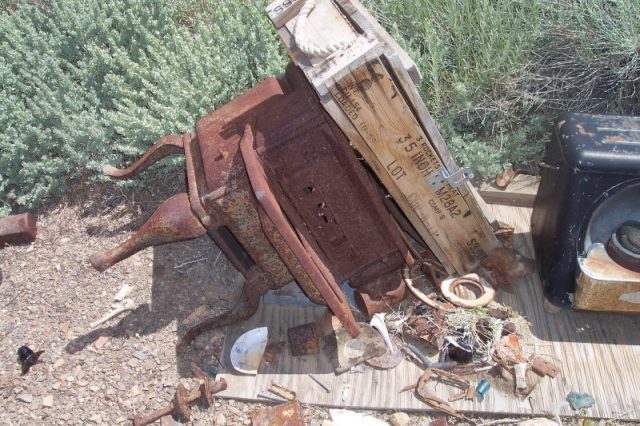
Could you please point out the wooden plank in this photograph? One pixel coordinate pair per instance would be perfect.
(282, 11)
(283, 14)
(597, 353)
(411, 94)
(368, 24)
(457, 242)
(383, 118)
(387, 180)
(521, 192)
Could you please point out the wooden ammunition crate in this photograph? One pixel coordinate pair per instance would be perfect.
(367, 84)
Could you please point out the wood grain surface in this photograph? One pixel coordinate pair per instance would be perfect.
(597, 353)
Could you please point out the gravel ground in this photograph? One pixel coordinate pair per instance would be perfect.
(49, 294)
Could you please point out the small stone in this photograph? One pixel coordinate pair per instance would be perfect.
(399, 419)
(139, 355)
(96, 418)
(25, 397)
(133, 363)
(220, 420)
(135, 390)
(82, 383)
(94, 388)
(59, 362)
(327, 423)
(246, 422)
(47, 401)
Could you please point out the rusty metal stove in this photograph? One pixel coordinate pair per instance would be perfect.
(277, 186)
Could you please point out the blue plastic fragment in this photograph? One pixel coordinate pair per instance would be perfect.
(579, 401)
(482, 389)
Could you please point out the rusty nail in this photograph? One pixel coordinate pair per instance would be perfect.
(266, 395)
(322, 385)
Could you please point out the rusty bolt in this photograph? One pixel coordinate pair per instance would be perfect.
(18, 229)
(182, 399)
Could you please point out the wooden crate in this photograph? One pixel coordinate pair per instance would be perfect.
(368, 86)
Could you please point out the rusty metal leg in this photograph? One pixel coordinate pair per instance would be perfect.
(202, 319)
(163, 147)
(173, 221)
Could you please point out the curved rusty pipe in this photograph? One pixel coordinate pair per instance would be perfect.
(172, 221)
(163, 147)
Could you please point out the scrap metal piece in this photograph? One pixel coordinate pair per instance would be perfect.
(509, 350)
(407, 274)
(434, 401)
(352, 351)
(543, 367)
(288, 414)
(270, 397)
(441, 178)
(391, 359)
(322, 385)
(18, 229)
(304, 339)
(182, 399)
(437, 403)
(282, 392)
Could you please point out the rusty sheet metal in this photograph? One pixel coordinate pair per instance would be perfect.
(329, 289)
(603, 285)
(18, 229)
(288, 414)
(304, 339)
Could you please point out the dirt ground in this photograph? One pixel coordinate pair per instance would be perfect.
(49, 294)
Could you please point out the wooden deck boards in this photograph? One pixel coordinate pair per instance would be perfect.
(597, 353)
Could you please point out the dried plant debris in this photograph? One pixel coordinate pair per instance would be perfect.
(478, 330)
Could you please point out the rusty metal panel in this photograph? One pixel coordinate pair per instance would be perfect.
(18, 229)
(288, 414)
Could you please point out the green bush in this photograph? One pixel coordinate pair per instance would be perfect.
(496, 72)
(85, 82)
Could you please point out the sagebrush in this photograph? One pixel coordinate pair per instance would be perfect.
(86, 82)
(496, 72)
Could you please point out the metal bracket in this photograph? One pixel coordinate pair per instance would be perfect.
(438, 179)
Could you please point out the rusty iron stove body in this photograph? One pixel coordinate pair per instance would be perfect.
(275, 183)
